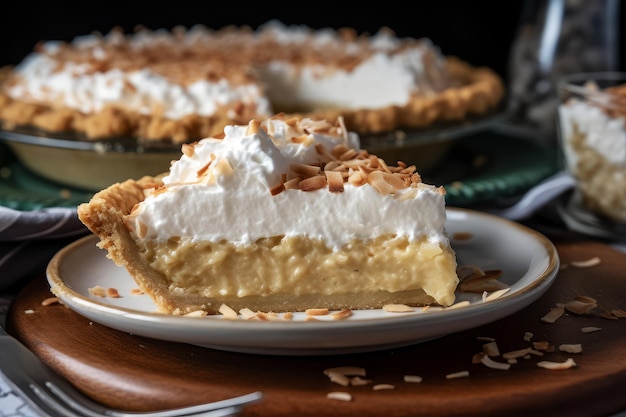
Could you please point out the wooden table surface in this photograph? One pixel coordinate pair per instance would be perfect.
(136, 373)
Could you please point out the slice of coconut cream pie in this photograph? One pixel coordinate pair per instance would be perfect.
(279, 215)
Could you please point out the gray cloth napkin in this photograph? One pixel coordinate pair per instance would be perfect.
(28, 239)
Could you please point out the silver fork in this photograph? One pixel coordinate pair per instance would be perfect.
(51, 395)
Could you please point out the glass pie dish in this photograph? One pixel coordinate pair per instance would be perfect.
(70, 160)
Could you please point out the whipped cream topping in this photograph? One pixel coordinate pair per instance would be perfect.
(604, 133)
(197, 71)
(78, 87)
(224, 189)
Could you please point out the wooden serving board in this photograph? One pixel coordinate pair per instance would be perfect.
(136, 373)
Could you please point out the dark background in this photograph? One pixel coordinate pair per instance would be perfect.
(480, 32)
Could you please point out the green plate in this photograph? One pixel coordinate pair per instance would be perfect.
(486, 168)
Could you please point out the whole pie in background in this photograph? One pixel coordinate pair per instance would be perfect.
(185, 84)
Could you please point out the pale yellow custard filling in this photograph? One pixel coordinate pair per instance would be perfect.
(295, 273)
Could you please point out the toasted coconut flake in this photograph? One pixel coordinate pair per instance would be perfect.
(199, 173)
(49, 301)
(554, 314)
(113, 293)
(377, 180)
(490, 363)
(187, 149)
(196, 313)
(490, 285)
(338, 378)
(557, 366)
(97, 291)
(460, 374)
(316, 311)
(590, 329)
(514, 354)
(385, 183)
(619, 313)
(379, 387)
(335, 166)
(608, 315)
(335, 181)
(490, 274)
(356, 381)
(247, 314)
(341, 315)
(357, 178)
(541, 345)
(292, 184)
(491, 349)
(141, 230)
(347, 155)
(586, 263)
(263, 316)
(409, 195)
(277, 189)
(304, 170)
(340, 396)
(268, 316)
(458, 305)
(474, 279)
(228, 312)
(528, 336)
(385, 167)
(496, 294)
(571, 347)
(136, 291)
(312, 183)
(477, 357)
(288, 315)
(323, 153)
(338, 150)
(580, 306)
(253, 127)
(469, 272)
(29, 311)
(413, 379)
(398, 308)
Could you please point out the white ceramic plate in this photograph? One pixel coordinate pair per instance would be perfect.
(529, 262)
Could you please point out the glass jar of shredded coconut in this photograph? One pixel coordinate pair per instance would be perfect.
(592, 134)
